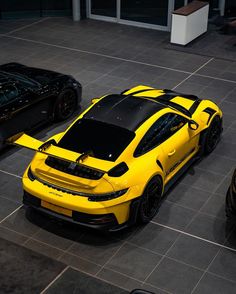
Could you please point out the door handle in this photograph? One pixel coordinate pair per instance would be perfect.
(171, 153)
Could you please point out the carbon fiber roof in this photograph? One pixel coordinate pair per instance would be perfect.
(128, 112)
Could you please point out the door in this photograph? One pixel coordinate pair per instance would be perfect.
(21, 109)
(144, 13)
(103, 9)
(179, 145)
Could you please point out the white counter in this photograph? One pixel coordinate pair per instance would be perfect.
(189, 22)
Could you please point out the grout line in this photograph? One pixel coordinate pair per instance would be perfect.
(194, 236)
(94, 53)
(164, 256)
(110, 259)
(11, 213)
(54, 280)
(207, 269)
(99, 278)
(27, 26)
(10, 174)
(116, 58)
(193, 73)
(216, 78)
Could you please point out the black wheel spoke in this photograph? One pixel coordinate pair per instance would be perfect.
(67, 104)
(151, 199)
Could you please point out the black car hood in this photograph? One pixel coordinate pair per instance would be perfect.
(41, 76)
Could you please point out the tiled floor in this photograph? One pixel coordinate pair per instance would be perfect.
(189, 247)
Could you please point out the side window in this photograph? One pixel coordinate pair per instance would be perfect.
(159, 132)
(9, 92)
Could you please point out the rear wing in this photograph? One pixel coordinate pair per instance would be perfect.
(50, 148)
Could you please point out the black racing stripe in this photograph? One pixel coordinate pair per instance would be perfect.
(195, 105)
(187, 96)
(137, 92)
(166, 101)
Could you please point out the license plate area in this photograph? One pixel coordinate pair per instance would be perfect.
(55, 208)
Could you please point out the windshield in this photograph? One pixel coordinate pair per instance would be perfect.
(98, 139)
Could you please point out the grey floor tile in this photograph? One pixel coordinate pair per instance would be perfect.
(119, 279)
(209, 228)
(53, 239)
(134, 262)
(223, 188)
(19, 223)
(12, 236)
(224, 264)
(73, 281)
(153, 289)
(228, 107)
(215, 206)
(154, 237)
(202, 179)
(96, 247)
(214, 284)
(188, 196)
(230, 135)
(201, 81)
(82, 264)
(43, 248)
(174, 215)
(11, 187)
(8, 163)
(169, 273)
(189, 87)
(216, 163)
(193, 251)
(7, 207)
(229, 121)
(34, 271)
(231, 96)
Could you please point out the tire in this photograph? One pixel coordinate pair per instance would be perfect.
(213, 135)
(150, 201)
(65, 105)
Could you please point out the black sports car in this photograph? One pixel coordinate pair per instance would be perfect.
(231, 199)
(31, 96)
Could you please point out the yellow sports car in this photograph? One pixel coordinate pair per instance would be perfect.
(113, 164)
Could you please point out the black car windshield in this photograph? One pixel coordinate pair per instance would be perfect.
(99, 139)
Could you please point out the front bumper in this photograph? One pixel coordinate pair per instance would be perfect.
(230, 205)
(104, 222)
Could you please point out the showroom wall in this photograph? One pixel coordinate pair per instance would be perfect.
(34, 8)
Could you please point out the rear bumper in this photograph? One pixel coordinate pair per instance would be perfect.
(230, 205)
(104, 222)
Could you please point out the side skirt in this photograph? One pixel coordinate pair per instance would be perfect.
(181, 172)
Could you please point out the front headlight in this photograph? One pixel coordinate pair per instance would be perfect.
(107, 196)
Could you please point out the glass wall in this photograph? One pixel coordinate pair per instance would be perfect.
(104, 7)
(34, 8)
(145, 11)
(179, 3)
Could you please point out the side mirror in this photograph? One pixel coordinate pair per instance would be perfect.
(193, 125)
(94, 100)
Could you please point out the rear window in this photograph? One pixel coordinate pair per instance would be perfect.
(99, 139)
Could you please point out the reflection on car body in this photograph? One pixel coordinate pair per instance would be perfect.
(30, 97)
